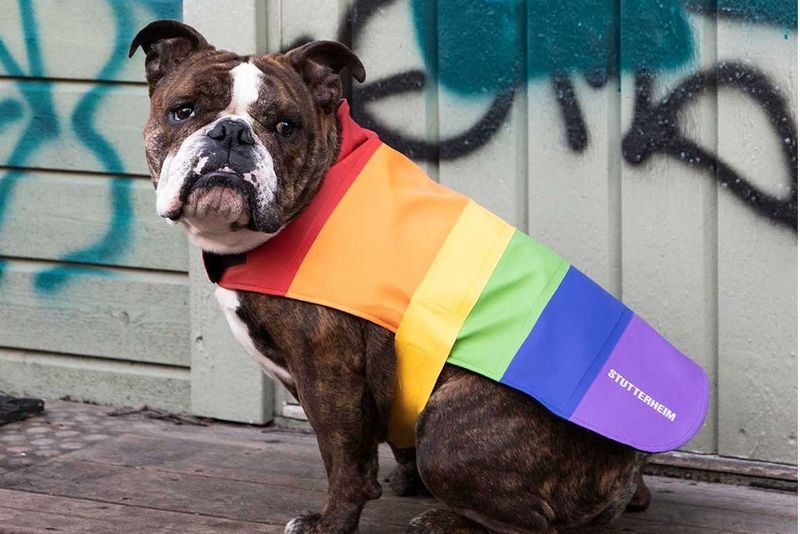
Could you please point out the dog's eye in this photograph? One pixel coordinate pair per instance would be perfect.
(285, 128)
(182, 112)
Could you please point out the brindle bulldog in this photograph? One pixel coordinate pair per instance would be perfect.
(237, 147)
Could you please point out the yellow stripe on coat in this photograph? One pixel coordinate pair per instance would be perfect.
(437, 310)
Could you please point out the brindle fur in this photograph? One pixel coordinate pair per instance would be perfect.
(497, 459)
(492, 454)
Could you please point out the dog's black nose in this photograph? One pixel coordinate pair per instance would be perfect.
(232, 132)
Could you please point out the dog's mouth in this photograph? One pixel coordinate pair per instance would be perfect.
(227, 179)
(216, 194)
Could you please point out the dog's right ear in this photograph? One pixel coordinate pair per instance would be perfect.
(167, 44)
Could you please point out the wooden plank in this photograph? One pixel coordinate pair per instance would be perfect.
(112, 313)
(679, 518)
(669, 218)
(240, 473)
(35, 513)
(226, 382)
(90, 219)
(288, 464)
(229, 499)
(767, 503)
(70, 43)
(757, 256)
(219, 435)
(272, 464)
(721, 464)
(742, 518)
(74, 126)
(94, 380)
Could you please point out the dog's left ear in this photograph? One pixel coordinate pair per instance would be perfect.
(167, 44)
(319, 63)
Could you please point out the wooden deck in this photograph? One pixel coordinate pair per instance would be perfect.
(79, 470)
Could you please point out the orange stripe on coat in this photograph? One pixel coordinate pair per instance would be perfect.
(389, 226)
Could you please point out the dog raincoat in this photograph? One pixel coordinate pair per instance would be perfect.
(458, 285)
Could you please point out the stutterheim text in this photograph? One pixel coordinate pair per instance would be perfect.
(641, 395)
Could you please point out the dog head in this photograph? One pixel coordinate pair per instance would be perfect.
(238, 145)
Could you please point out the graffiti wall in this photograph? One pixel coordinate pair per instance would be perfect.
(93, 290)
(652, 144)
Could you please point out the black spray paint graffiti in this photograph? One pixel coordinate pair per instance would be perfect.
(350, 30)
(654, 129)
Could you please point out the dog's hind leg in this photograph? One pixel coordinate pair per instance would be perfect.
(502, 461)
(641, 497)
(404, 479)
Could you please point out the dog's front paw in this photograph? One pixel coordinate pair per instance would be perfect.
(303, 524)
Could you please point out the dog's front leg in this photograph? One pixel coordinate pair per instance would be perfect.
(335, 395)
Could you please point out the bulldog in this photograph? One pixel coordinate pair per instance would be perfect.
(238, 146)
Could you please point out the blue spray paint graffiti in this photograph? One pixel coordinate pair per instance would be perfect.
(779, 12)
(44, 126)
(511, 41)
(589, 36)
(10, 111)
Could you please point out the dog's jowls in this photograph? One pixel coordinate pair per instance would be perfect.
(237, 146)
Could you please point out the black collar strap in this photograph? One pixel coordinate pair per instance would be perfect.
(216, 264)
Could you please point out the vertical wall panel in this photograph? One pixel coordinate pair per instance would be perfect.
(669, 210)
(214, 18)
(573, 163)
(225, 382)
(483, 114)
(301, 21)
(399, 96)
(757, 257)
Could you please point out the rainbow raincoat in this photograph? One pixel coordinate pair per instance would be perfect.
(458, 285)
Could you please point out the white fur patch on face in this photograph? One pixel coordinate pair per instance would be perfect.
(247, 80)
(229, 302)
(214, 236)
(176, 167)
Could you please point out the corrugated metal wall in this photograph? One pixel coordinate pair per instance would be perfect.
(651, 143)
